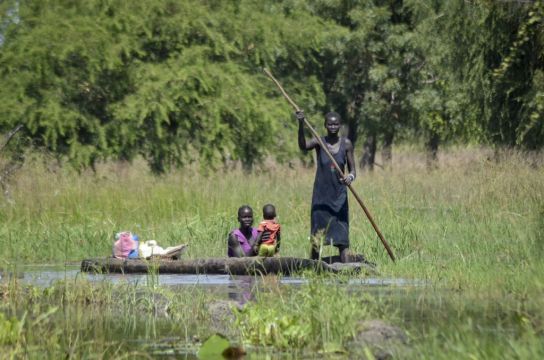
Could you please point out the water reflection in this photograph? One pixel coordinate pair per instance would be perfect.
(243, 291)
(46, 276)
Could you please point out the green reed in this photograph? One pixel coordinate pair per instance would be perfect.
(81, 319)
(464, 222)
(472, 230)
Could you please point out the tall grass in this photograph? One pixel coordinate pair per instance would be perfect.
(472, 230)
(81, 319)
(461, 224)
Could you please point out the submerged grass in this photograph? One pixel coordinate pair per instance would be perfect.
(82, 319)
(472, 230)
(79, 319)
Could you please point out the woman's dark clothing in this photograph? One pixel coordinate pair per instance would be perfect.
(330, 211)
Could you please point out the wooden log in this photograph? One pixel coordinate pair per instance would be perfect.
(219, 266)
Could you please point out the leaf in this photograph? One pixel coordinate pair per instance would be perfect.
(213, 347)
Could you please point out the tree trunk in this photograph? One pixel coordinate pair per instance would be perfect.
(432, 151)
(354, 113)
(352, 131)
(387, 150)
(221, 266)
(369, 153)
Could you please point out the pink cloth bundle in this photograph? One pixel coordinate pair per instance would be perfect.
(124, 245)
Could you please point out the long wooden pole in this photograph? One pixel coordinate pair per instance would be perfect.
(336, 166)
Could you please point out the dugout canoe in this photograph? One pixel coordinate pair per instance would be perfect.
(222, 266)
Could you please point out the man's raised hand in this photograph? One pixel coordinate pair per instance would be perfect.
(300, 115)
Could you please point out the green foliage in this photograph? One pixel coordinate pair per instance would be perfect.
(484, 59)
(303, 319)
(369, 76)
(214, 347)
(177, 82)
(451, 70)
(173, 82)
(10, 330)
(269, 326)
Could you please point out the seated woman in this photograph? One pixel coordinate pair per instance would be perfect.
(241, 241)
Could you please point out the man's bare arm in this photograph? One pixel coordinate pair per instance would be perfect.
(304, 144)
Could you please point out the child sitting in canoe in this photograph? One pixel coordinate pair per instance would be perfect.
(269, 233)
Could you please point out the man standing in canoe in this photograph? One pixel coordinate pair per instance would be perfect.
(330, 212)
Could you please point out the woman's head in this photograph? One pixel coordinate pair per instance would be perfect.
(245, 216)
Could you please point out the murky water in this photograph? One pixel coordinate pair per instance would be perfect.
(43, 276)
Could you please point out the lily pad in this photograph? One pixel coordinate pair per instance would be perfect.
(218, 347)
(213, 347)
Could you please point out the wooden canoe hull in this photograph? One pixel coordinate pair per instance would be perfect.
(219, 266)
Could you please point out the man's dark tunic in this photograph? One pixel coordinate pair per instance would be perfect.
(330, 211)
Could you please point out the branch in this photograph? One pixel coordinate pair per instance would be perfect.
(10, 136)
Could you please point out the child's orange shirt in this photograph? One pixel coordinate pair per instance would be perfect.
(272, 227)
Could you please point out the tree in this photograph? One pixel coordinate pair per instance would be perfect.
(178, 81)
(170, 81)
(484, 61)
(374, 71)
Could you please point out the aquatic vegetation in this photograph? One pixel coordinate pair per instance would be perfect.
(469, 233)
(10, 329)
(82, 317)
(217, 346)
(316, 316)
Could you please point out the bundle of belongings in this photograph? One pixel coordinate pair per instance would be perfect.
(125, 246)
(150, 248)
(128, 246)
